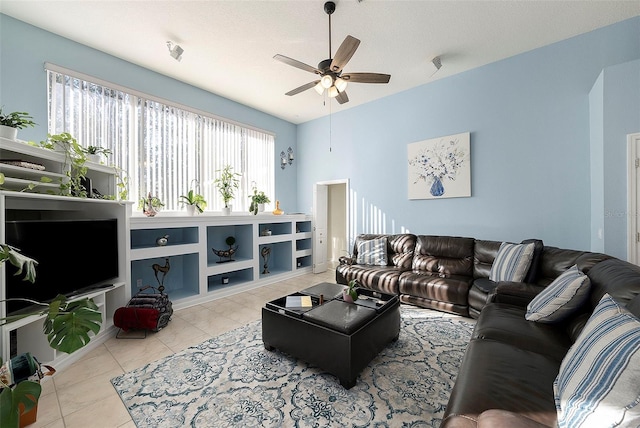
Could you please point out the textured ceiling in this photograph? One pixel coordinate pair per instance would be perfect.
(229, 45)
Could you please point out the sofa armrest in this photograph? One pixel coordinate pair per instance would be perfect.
(514, 293)
(344, 260)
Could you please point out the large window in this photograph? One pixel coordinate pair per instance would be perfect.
(163, 148)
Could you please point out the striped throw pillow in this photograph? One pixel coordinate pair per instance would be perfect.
(512, 262)
(372, 252)
(560, 298)
(598, 384)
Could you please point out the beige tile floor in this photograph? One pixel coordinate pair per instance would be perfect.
(82, 396)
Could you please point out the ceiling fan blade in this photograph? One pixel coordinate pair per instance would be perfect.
(342, 97)
(297, 64)
(366, 77)
(344, 53)
(302, 88)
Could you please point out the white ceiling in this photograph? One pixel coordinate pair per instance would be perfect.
(229, 45)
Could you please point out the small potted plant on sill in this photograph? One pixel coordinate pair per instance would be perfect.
(93, 153)
(11, 122)
(151, 205)
(66, 324)
(227, 184)
(258, 199)
(195, 202)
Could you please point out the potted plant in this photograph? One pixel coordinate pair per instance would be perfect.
(195, 202)
(67, 325)
(349, 294)
(11, 122)
(93, 153)
(151, 205)
(75, 162)
(227, 184)
(258, 199)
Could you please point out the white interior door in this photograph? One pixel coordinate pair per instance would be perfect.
(320, 210)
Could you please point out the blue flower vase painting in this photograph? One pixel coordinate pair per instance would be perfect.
(440, 167)
(437, 189)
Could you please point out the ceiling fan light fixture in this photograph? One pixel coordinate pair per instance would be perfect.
(326, 81)
(319, 88)
(341, 84)
(333, 92)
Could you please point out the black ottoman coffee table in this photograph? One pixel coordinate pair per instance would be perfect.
(339, 337)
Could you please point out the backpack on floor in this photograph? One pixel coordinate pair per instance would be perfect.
(149, 309)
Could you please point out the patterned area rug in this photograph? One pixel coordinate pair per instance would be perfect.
(232, 381)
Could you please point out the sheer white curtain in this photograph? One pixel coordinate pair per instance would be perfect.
(164, 149)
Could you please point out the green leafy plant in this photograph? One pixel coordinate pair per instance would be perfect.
(227, 183)
(96, 150)
(66, 324)
(257, 198)
(193, 198)
(16, 119)
(351, 289)
(150, 205)
(74, 165)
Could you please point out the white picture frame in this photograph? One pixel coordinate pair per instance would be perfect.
(440, 167)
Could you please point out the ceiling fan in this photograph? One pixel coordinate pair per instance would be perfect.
(330, 71)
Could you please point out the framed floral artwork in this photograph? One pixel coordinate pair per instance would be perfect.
(440, 167)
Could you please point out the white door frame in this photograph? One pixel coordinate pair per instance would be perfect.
(633, 161)
(344, 181)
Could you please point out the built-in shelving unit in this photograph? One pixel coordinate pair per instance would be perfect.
(18, 202)
(186, 265)
(197, 274)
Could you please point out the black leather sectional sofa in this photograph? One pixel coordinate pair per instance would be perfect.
(507, 374)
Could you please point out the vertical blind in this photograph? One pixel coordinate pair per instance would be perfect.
(162, 148)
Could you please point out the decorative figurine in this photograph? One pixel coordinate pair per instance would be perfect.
(226, 253)
(162, 241)
(265, 252)
(278, 211)
(164, 269)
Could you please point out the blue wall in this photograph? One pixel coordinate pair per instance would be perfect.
(530, 146)
(24, 49)
(532, 162)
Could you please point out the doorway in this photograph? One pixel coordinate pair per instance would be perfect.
(633, 198)
(330, 225)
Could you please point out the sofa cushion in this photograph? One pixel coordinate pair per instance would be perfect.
(498, 375)
(451, 289)
(597, 384)
(372, 252)
(538, 247)
(506, 323)
(399, 249)
(444, 255)
(615, 277)
(512, 262)
(561, 298)
(484, 253)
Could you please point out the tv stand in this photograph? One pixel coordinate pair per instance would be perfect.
(26, 334)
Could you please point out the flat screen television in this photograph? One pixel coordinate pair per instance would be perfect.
(74, 256)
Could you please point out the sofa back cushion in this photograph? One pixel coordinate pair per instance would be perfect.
(484, 253)
(445, 255)
(400, 248)
(555, 261)
(619, 279)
